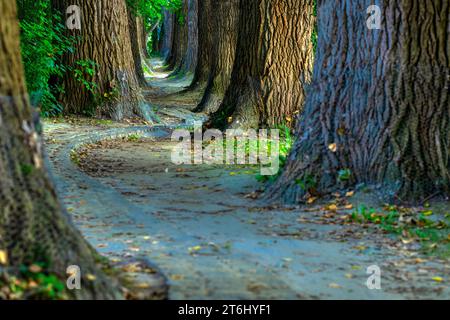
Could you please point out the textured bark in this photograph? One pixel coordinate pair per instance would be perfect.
(206, 16)
(180, 39)
(191, 56)
(136, 47)
(379, 104)
(168, 33)
(105, 39)
(219, 49)
(183, 57)
(33, 228)
(273, 63)
(143, 38)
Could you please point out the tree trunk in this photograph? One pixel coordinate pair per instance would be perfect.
(105, 40)
(273, 63)
(33, 228)
(205, 42)
(185, 42)
(143, 38)
(180, 39)
(190, 61)
(136, 38)
(379, 106)
(168, 34)
(219, 49)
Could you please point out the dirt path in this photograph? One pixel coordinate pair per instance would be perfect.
(211, 240)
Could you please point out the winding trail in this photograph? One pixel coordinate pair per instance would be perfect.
(199, 227)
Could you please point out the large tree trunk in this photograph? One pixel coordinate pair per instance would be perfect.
(143, 37)
(379, 106)
(205, 42)
(168, 34)
(185, 40)
(273, 63)
(180, 39)
(105, 39)
(191, 56)
(33, 228)
(136, 47)
(218, 52)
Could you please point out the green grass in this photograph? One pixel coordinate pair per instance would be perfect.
(32, 282)
(134, 137)
(431, 230)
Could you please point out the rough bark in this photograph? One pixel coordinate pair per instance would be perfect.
(104, 39)
(185, 39)
(191, 56)
(168, 33)
(273, 63)
(143, 38)
(379, 104)
(206, 16)
(218, 52)
(33, 228)
(180, 39)
(136, 47)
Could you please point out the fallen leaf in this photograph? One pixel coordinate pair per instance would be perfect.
(177, 277)
(419, 260)
(34, 268)
(142, 285)
(438, 279)
(348, 275)
(360, 248)
(333, 147)
(331, 207)
(3, 257)
(91, 277)
(334, 286)
(350, 194)
(407, 241)
(195, 249)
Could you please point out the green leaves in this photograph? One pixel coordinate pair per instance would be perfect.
(152, 10)
(43, 42)
(83, 72)
(344, 175)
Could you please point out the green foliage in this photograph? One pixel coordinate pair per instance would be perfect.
(315, 31)
(344, 175)
(26, 169)
(42, 44)
(134, 137)
(32, 282)
(412, 225)
(84, 70)
(152, 10)
(307, 183)
(286, 143)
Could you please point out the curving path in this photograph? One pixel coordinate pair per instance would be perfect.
(211, 241)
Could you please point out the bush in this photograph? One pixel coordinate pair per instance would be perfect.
(42, 44)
